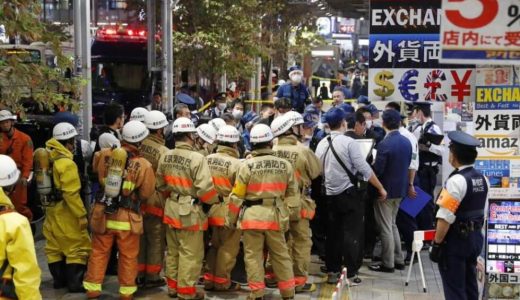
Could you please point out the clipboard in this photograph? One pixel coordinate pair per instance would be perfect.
(366, 146)
(412, 206)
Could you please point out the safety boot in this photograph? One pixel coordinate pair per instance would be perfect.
(306, 288)
(75, 273)
(57, 270)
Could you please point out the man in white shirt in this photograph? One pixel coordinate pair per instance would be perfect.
(343, 201)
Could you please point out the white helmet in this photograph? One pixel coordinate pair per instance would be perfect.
(228, 134)
(281, 124)
(9, 172)
(138, 114)
(134, 132)
(207, 133)
(6, 115)
(155, 120)
(296, 116)
(261, 133)
(217, 123)
(183, 125)
(108, 140)
(64, 131)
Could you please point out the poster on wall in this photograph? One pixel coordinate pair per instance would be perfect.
(480, 32)
(404, 53)
(503, 249)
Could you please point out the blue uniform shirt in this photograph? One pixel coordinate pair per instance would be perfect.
(298, 95)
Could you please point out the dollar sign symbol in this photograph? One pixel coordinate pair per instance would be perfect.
(387, 87)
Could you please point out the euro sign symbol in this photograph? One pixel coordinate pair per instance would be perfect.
(387, 87)
(407, 83)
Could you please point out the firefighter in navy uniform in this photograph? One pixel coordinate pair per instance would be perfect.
(458, 238)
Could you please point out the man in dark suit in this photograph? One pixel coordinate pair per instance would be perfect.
(393, 158)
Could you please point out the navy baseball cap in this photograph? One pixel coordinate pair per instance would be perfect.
(372, 108)
(363, 100)
(335, 115)
(464, 139)
(185, 98)
(309, 120)
(347, 108)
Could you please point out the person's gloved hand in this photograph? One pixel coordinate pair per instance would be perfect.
(436, 252)
(83, 223)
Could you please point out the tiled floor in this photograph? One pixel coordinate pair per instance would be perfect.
(375, 286)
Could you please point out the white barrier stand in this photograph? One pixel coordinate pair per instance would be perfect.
(340, 286)
(418, 238)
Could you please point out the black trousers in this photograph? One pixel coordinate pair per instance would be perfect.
(345, 231)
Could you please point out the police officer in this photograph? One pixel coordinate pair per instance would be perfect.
(458, 238)
(430, 157)
(153, 241)
(127, 179)
(306, 168)
(263, 184)
(17, 252)
(182, 176)
(65, 225)
(295, 90)
(225, 242)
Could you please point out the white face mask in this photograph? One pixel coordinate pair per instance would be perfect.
(222, 106)
(296, 78)
(369, 124)
(237, 114)
(378, 123)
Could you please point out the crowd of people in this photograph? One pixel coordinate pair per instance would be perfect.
(179, 199)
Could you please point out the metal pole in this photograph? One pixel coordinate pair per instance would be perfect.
(151, 23)
(258, 92)
(86, 95)
(76, 8)
(167, 8)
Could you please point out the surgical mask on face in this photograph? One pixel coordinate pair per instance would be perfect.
(369, 124)
(222, 106)
(378, 123)
(296, 78)
(237, 114)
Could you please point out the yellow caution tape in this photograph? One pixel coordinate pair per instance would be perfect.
(325, 79)
(206, 106)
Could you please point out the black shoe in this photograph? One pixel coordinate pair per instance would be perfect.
(399, 266)
(57, 270)
(139, 281)
(150, 284)
(354, 280)
(381, 268)
(376, 258)
(75, 273)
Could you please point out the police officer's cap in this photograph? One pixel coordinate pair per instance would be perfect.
(335, 115)
(347, 108)
(185, 98)
(422, 104)
(221, 96)
(464, 139)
